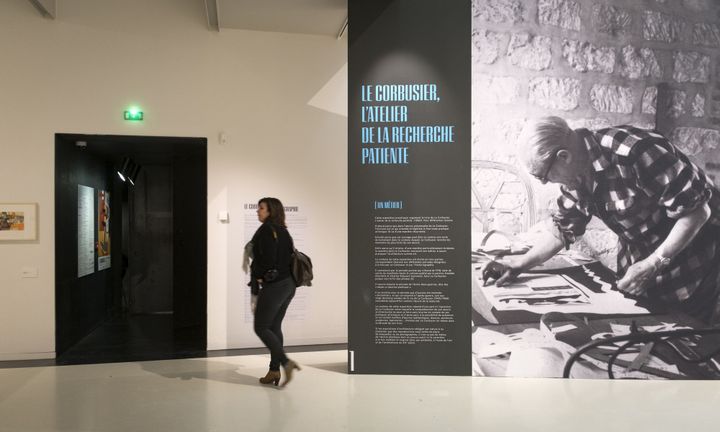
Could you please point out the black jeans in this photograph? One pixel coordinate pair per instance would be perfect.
(273, 301)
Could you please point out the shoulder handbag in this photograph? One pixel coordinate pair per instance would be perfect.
(302, 268)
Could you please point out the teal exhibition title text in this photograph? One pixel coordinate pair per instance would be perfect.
(384, 115)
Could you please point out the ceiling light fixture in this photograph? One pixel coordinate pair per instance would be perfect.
(129, 170)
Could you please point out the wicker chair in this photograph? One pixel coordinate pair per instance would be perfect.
(500, 190)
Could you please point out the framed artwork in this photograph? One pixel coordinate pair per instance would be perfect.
(103, 224)
(18, 221)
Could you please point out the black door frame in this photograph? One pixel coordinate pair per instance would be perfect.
(71, 168)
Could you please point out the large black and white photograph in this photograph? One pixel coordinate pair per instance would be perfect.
(595, 214)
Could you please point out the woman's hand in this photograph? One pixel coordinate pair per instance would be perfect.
(253, 303)
(638, 277)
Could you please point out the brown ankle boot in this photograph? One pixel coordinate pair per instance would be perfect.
(289, 367)
(272, 377)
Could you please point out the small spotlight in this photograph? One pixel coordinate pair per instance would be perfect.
(129, 170)
(133, 172)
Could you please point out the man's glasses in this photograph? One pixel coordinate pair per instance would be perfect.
(550, 164)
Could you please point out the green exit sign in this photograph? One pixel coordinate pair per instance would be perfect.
(134, 115)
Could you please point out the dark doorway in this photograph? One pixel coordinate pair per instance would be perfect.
(148, 211)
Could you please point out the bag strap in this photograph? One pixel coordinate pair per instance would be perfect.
(292, 244)
(277, 243)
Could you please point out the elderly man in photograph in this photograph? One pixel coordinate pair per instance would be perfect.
(663, 208)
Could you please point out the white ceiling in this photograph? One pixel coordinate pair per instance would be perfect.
(318, 17)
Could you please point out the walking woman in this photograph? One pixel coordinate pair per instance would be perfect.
(272, 285)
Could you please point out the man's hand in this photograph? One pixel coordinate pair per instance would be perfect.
(638, 277)
(504, 271)
(253, 303)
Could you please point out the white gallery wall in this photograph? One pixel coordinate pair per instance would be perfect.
(78, 73)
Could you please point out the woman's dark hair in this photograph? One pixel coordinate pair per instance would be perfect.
(276, 210)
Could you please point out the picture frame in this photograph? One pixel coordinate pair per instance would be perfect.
(18, 221)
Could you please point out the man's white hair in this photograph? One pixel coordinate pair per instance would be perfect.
(542, 137)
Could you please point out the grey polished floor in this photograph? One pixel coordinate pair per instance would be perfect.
(222, 394)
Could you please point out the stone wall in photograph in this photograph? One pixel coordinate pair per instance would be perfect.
(596, 63)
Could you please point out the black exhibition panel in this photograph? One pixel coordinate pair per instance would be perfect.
(409, 208)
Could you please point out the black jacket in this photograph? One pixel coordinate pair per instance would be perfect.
(267, 249)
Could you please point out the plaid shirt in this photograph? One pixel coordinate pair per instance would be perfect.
(642, 185)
